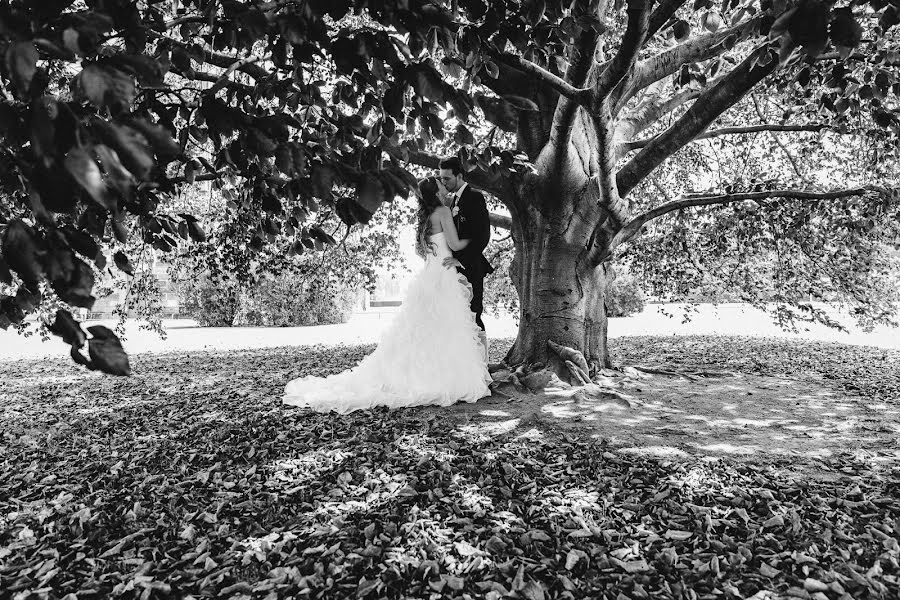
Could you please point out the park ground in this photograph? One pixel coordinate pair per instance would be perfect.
(711, 466)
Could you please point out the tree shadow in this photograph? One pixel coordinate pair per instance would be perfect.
(717, 414)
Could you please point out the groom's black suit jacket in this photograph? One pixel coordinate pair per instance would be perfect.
(473, 223)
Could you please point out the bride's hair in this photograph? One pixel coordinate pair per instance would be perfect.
(428, 202)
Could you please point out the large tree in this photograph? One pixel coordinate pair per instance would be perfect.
(292, 105)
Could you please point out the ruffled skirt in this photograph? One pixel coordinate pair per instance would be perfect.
(429, 355)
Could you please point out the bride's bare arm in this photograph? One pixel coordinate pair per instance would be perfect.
(450, 229)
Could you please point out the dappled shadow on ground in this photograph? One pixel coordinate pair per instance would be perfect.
(191, 478)
(712, 414)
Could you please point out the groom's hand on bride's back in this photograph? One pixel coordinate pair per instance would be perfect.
(451, 262)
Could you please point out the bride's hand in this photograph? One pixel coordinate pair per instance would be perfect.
(451, 262)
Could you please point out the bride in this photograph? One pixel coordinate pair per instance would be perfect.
(431, 353)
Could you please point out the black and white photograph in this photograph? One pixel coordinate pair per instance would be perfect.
(450, 299)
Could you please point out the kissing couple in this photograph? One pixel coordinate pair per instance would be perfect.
(435, 350)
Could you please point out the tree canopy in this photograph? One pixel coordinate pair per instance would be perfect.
(292, 107)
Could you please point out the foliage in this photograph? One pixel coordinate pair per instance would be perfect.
(775, 254)
(293, 108)
(286, 300)
(191, 479)
(624, 297)
(213, 303)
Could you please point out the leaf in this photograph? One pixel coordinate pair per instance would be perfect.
(681, 29)
(82, 167)
(809, 26)
(394, 98)
(66, 327)
(119, 176)
(322, 181)
(196, 231)
(499, 111)
(534, 11)
(23, 252)
(71, 278)
(711, 21)
(120, 231)
(123, 263)
(533, 590)
(774, 522)
(93, 84)
(455, 583)
(106, 351)
(130, 146)
(21, 64)
(463, 136)
(845, 31)
(366, 587)
(889, 18)
(164, 145)
(635, 566)
(675, 534)
(811, 584)
(574, 557)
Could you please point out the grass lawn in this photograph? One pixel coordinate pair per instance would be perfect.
(191, 479)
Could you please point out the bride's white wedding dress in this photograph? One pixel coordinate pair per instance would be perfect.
(430, 354)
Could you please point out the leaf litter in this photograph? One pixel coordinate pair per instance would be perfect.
(191, 479)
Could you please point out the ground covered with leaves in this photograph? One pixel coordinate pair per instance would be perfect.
(190, 479)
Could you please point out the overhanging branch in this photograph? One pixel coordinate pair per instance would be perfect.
(706, 109)
(667, 63)
(633, 227)
(543, 75)
(501, 221)
(223, 78)
(265, 7)
(661, 15)
(645, 114)
(479, 178)
(637, 144)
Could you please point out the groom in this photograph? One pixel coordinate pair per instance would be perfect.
(470, 215)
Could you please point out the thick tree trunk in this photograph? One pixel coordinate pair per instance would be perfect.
(562, 291)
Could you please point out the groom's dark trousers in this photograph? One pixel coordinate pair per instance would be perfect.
(473, 223)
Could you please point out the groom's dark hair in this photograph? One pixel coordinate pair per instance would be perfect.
(453, 164)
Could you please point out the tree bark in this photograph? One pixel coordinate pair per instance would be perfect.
(561, 286)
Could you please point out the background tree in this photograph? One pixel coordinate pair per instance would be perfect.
(294, 102)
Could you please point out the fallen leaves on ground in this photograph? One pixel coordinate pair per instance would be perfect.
(190, 478)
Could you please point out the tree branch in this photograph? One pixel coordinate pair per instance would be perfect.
(637, 144)
(706, 109)
(780, 144)
(645, 114)
(204, 19)
(667, 63)
(501, 221)
(483, 180)
(633, 227)
(661, 15)
(223, 79)
(543, 75)
(623, 61)
(203, 76)
(581, 70)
